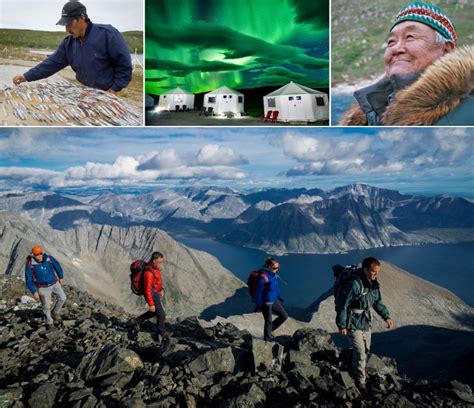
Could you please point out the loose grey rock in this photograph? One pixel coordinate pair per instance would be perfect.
(214, 361)
(43, 396)
(266, 354)
(109, 360)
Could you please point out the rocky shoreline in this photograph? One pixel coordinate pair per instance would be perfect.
(94, 358)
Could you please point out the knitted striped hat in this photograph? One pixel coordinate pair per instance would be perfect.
(430, 15)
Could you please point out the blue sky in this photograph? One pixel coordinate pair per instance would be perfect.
(412, 160)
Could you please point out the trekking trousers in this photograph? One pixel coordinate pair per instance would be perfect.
(360, 342)
(45, 298)
(159, 313)
(271, 325)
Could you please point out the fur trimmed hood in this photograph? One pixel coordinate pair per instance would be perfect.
(439, 90)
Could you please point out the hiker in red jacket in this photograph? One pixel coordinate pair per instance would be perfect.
(153, 292)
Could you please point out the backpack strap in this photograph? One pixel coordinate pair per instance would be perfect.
(363, 292)
(32, 268)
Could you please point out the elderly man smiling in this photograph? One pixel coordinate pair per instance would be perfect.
(428, 81)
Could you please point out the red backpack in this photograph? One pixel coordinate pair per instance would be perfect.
(252, 281)
(136, 276)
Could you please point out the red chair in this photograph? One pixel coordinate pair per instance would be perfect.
(268, 117)
(275, 116)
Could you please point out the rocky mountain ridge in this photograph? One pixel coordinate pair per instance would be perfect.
(95, 359)
(300, 220)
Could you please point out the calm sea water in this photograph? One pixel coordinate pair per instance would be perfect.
(306, 277)
(339, 104)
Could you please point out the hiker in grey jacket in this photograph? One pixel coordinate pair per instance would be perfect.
(354, 318)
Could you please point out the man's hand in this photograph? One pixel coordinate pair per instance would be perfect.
(152, 308)
(343, 331)
(110, 90)
(389, 323)
(61, 281)
(36, 296)
(18, 79)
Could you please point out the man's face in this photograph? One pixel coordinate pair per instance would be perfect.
(77, 27)
(39, 257)
(411, 47)
(372, 272)
(158, 262)
(275, 267)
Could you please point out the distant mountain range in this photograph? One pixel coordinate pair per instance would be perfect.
(299, 220)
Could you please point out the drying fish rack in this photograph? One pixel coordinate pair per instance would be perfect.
(61, 103)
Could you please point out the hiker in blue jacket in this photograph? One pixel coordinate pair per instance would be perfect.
(268, 299)
(97, 53)
(43, 277)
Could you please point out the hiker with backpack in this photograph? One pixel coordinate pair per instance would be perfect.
(148, 282)
(43, 277)
(263, 287)
(357, 291)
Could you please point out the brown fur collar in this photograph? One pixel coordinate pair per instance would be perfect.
(439, 90)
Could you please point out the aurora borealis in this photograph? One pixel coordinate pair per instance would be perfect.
(201, 45)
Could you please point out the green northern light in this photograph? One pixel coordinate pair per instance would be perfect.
(201, 45)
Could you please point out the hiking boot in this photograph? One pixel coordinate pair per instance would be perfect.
(57, 319)
(136, 324)
(161, 337)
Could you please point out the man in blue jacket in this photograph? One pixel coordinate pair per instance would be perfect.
(268, 299)
(97, 53)
(44, 276)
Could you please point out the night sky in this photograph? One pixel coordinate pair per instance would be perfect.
(201, 45)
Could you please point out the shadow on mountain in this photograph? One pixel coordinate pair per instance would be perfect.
(306, 314)
(466, 319)
(178, 226)
(426, 352)
(239, 303)
(71, 219)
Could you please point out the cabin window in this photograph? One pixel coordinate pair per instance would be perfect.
(271, 102)
(320, 101)
(230, 96)
(241, 99)
(211, 99)
(298, 98)
(164, 96)
(290, 98)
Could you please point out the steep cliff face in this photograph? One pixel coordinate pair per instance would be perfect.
(97, 258)
(320, 227)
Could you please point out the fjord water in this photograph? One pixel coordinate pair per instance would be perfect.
(304, 277)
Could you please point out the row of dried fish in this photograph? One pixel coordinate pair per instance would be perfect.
(63, 103)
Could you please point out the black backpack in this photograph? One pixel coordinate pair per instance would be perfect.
(344, 274)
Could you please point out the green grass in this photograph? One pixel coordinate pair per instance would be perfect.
(359, 30)
(13, 38)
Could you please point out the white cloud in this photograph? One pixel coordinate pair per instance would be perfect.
(165, 159)
(390, 151)
(125, 170)
(305, 148)
(214, 154)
